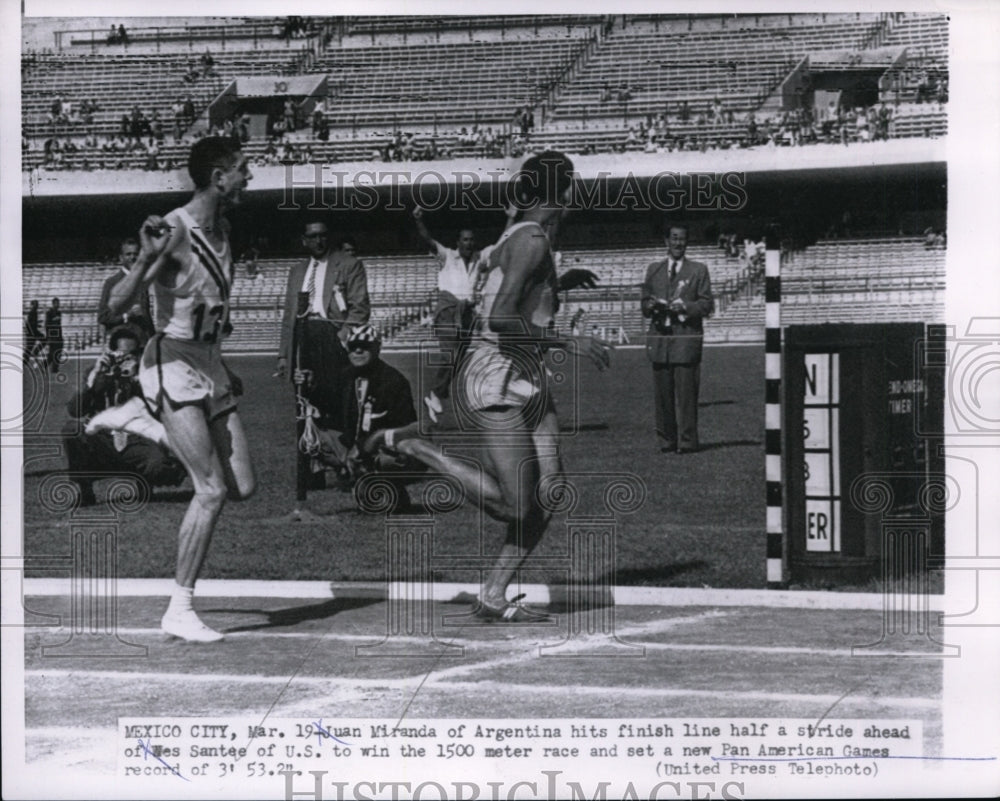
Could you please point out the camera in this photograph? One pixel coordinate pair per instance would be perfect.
(661, 316)
(123, 365)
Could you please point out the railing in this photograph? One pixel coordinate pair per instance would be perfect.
(158, 35)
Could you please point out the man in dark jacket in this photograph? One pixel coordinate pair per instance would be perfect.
(365, 408)
(34, 337)
(676, 297)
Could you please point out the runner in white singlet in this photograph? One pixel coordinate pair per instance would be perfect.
(186, 258)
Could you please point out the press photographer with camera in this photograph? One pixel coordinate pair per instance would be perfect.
(676, 297)
(113, 383)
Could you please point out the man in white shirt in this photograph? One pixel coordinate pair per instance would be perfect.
(455, 314)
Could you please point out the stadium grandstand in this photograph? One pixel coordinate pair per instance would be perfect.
(111, 112)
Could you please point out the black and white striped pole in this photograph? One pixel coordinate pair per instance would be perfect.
(772, 410)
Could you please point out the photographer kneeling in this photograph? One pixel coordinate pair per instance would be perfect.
(369, 408)
(113, 384)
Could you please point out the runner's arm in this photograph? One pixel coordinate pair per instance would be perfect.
(158, 239)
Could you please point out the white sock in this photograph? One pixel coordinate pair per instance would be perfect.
(180, 601)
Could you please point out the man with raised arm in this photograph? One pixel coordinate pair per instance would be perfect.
(455, 311)
(185, 257)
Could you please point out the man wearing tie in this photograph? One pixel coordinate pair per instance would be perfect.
(676, 297)
(338, 302)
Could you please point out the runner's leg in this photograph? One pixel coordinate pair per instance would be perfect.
(189, 436)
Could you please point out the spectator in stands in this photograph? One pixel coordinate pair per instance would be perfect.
(177, 113)
(55, 112)
(248, 258)
(752, 128)
(207, 64)
(138, 124)
(156, 126)
(191, 74)
(34, 337)
(323, 129)
(243, 128)
(365, 404)
(676, 297)
(113, 36)
(289, 114)
(112, 382)
(188, 111)
(88, 108)
(288, 154)
(942, 91)
(122, 35)
(53, 336)
(152, 162)
(455, 315)
(49, 149)
(139, 318)
(338, 300)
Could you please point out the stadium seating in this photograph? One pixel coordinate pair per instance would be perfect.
(434, 75)
(402, 73)
(833, 281)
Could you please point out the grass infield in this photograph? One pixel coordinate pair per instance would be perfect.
(701, 524)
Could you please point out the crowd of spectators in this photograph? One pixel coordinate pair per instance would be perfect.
(66, 113)
(295, 28)
(929, 85)
(114, 152)
(406, 147)
(620, 94)
(935, 239)
(722, 129)
(286, 152)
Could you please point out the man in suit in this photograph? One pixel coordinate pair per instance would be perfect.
(676, 297)
(338, 290)
(140, 317)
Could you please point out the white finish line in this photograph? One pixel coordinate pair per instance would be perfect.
(534, 593)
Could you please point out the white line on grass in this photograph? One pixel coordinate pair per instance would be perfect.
(504, 688)
(535, 593)
(594, 644)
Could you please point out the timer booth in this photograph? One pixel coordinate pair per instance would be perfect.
(860, 468)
